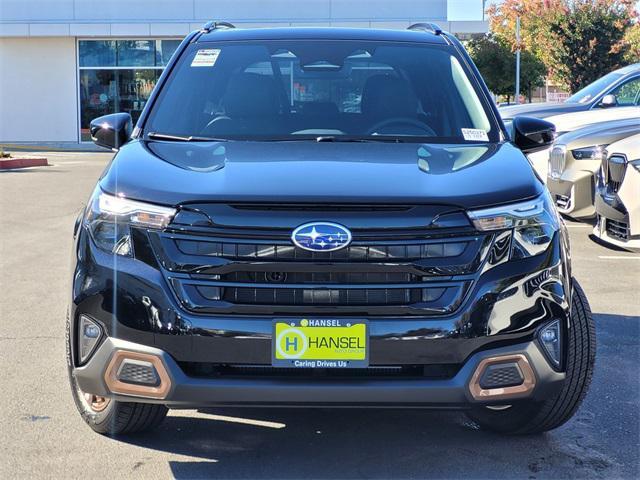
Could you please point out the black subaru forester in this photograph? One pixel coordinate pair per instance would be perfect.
(324, 217)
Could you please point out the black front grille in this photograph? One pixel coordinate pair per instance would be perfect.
(392, 272)
(219, 297)
(329, 277)
(615, 168)
(214, 370)
(616, 229)
(330, 296)
(563, 201)
(287, 252)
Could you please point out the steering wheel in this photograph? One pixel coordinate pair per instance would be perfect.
(217, 119)
(401, 121)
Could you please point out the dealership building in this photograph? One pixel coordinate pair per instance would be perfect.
(64, 62)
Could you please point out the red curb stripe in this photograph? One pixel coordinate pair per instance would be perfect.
(7, 163)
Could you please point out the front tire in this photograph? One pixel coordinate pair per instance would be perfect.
(111, 417)
(536, 417)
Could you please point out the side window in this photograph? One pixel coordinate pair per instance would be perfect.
(628, 93)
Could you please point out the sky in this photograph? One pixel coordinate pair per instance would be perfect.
(472, 9)
(464, 10)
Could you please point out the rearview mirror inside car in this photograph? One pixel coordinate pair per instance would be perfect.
(111, 131)
(532, 134)
(609, 101)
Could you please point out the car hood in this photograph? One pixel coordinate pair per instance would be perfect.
(599, 134)
(568, 122)
(630, 147)
(175, 173)
(540, 110)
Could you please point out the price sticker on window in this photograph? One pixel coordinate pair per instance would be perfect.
(474, 135)
(206, 58)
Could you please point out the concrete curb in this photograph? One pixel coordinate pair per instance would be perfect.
(23, 162)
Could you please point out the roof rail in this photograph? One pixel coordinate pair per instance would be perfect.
(209, 26)
(426, 27)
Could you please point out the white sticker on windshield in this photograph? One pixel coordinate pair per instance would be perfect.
(475, 135)
(206, 58)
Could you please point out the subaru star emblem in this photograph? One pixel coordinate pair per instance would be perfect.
(321, 236)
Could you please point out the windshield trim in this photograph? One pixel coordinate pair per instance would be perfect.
(418, 139)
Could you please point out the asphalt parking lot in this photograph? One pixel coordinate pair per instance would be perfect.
(43, 436)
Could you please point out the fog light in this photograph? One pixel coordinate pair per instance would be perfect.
(550, 339)
(91, 331)
(88, 338)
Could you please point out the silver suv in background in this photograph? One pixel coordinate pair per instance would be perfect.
(618, 195)
(576, 158)
(620, 88)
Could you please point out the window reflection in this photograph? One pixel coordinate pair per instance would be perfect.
(118, 76)
(97, 53)
(164, 50)
(97, 96)
(136, 53)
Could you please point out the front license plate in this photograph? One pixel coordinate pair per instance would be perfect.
(310, 343)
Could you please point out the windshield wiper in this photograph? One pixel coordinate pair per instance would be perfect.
(182, 138)
(374, 138)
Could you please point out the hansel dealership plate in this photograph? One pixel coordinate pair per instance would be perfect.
(308, 343)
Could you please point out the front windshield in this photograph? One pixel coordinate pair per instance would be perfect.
(592, 90)
(297, 89)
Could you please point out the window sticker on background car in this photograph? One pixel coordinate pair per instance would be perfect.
(206, 58)
(474, 134)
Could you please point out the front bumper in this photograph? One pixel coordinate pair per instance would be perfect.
(191, 392)
(600, 231)
(573, 193)
(500, 315)
(540, 162)
(621, 208)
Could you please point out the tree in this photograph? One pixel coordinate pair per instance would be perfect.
(497, 64)
(532, 73)
(589, 40)
(632, 41)
(535, 19)
(577, 40)
(492, 59)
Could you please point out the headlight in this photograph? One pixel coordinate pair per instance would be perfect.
(533, 224)
(595, 152)
(109, 220)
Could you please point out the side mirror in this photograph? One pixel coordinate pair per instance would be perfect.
(111, 131)
(608, 101)
(531, 134)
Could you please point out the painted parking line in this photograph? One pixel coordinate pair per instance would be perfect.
(247, 421)
(618, 257)
(71, 162)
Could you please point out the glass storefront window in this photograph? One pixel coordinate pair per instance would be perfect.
(97, 53)
(118, 76)
(136, 53)
(97, 96)
(164, 50)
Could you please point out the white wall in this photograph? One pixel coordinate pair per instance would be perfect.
(38, 90)
(107, 18)
(104, 18)
(262, 10)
